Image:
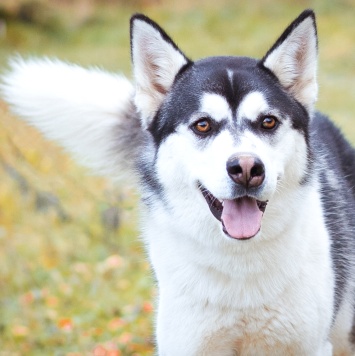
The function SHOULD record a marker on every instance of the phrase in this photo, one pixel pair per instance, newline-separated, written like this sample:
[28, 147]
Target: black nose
[246, 169]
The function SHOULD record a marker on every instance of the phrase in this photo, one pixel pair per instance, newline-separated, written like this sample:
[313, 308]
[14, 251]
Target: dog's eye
[202, 126]
[269, 122]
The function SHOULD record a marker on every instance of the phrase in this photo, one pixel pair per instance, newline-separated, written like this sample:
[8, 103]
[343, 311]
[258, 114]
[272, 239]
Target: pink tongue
[241, 217]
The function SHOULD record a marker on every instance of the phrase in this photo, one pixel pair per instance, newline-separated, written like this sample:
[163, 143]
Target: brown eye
[202, 126]
[269, 122]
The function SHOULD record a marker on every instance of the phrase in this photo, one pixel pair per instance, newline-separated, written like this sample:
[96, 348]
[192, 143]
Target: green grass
[68, 284]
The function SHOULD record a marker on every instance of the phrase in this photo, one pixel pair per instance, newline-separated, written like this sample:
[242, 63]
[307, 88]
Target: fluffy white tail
[88, 111]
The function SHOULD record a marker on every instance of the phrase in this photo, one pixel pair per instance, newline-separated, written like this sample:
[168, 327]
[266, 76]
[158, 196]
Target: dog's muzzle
[241, 217]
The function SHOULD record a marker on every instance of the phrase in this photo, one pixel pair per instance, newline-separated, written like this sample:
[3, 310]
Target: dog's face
[229, 133]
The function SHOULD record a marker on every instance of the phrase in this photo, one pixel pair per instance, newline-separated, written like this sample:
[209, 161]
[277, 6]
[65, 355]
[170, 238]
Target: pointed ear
[156, 62]
[293, 59]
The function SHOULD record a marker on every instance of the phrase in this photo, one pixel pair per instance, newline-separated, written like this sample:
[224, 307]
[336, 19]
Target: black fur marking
[210, 75]
[335, 160]
[152, 190]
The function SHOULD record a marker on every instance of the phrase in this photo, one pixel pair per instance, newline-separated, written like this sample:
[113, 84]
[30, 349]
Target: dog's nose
[246, 169]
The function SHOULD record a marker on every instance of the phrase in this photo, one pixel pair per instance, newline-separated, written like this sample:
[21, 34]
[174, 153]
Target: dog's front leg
[184, 328]
[326, 350]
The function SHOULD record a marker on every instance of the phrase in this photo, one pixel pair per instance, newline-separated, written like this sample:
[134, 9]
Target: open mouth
[241, 217]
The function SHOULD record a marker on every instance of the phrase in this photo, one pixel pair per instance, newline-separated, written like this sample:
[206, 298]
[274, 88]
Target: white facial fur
[252, 105]
[215, 106]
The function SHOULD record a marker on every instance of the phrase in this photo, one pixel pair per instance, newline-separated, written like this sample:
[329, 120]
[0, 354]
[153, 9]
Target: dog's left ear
[156, 62]
[293, 59]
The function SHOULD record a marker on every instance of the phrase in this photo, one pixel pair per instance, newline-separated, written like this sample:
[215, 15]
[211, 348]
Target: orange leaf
[65, 324]
[27, 298]
[20, 330]
[115, 324]
[147, 307]
[100, 351]
[113, 353]
[125, 338]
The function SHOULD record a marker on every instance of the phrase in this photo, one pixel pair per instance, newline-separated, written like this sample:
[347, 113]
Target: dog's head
[232, 131]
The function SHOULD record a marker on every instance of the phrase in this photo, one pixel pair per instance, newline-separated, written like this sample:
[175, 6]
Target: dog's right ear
[156, 62]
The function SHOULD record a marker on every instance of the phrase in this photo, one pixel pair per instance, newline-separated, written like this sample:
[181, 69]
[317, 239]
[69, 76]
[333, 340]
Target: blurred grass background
[73, 277]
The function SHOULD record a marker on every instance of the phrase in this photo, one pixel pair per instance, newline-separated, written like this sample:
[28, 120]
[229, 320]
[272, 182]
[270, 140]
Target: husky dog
[248, 193]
